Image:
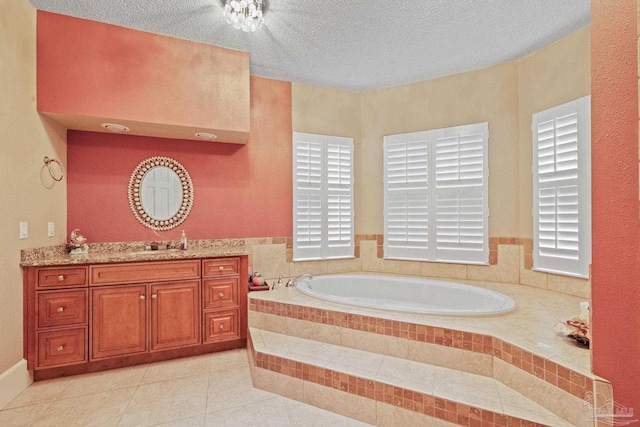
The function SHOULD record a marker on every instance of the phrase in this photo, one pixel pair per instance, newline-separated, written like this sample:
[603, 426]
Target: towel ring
[47, 162]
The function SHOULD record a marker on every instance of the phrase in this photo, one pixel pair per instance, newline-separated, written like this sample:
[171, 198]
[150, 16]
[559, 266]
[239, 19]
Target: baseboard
[13, 381]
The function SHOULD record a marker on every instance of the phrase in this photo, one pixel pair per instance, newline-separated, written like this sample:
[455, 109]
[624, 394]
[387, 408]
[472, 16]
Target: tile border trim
[422, 403]
[567, 380]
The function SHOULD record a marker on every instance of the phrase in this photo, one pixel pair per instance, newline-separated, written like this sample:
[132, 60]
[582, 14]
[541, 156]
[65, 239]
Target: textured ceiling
[355, 44]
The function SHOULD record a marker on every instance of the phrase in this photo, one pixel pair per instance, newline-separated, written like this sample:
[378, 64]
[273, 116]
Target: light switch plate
[51, 229]
[24, 230]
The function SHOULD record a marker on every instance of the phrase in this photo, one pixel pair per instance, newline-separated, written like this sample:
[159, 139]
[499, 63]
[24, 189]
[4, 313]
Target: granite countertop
[103, 253]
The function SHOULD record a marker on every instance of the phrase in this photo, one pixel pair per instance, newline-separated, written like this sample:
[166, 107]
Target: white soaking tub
[406, 294]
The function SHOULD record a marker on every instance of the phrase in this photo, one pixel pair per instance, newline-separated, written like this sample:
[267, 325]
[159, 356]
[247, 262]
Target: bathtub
[415, 295]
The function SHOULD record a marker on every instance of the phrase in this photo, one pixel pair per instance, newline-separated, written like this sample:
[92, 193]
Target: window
[322, 197]
[562, 189]
[436, 195]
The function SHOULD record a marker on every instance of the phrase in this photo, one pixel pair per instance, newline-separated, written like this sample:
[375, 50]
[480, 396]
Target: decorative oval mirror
[160, 193]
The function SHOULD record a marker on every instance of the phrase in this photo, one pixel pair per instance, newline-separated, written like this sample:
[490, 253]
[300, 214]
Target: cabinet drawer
[219, 293]
[62, 308]
[62, 277]
[219, 267]
[221, 326]
[62, 347]
[144, 272]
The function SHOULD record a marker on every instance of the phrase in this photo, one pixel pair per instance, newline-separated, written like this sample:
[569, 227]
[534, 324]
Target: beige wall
[27, 194]
[553, 75]
[505, 95]
[488, 95]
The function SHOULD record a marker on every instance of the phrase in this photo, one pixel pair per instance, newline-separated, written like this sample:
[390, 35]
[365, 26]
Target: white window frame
[323, 198]
[557, 171]
[426, 176]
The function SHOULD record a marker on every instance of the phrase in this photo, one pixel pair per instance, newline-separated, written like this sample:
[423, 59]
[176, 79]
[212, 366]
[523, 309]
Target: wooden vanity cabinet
[118, 321]
[221, 305]
[93, 317]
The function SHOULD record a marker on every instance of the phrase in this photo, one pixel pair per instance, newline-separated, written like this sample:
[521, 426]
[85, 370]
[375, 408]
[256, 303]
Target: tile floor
[209, 390]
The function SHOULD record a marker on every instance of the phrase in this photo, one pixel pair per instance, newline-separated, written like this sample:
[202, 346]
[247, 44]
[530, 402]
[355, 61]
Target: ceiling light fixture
[115, 128]
[245, 15]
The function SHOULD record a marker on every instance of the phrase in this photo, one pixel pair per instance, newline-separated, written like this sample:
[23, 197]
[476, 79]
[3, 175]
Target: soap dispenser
[183, 241]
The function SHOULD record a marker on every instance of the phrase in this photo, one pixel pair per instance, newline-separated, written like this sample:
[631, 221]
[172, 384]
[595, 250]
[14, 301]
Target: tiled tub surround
[511, 261]
[519, 350]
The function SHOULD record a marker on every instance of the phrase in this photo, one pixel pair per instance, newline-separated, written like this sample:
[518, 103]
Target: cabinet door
[221, 326]
[119, 321]
[220, 293]
[175, 314]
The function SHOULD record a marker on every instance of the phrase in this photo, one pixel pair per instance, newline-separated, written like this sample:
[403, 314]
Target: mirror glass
[160, 193]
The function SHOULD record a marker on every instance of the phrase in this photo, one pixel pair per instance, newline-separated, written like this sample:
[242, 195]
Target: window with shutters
[322, 197]
[562, 189]
[436, 195]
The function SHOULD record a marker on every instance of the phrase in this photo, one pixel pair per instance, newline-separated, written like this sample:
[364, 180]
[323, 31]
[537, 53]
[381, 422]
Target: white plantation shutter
[406, 196]
[436, 195]
[322, 196]
[461, 193]
[562, 188]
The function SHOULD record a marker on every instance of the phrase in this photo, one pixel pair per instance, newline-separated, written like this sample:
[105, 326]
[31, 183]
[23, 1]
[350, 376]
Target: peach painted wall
[616, 227]
[106, 72]
[240, 190]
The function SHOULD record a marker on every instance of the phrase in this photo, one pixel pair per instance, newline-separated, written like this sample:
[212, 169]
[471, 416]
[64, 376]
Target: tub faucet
[292, 282]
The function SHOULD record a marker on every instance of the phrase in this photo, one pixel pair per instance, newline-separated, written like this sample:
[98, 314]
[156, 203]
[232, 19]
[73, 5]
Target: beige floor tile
[187, 422]
[303, 415]
[177, 368]
[229, 378]
[232, 389]
[100, 410]
[270, 412]
[22, 416]
[40, 392]
[228, 359]
[104, 381]
[166, 401]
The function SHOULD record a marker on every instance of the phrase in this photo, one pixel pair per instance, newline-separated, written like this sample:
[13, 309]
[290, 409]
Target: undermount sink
[150, 252]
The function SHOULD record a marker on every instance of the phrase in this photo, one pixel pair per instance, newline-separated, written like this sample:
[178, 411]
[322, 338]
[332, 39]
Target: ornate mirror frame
[135, 200]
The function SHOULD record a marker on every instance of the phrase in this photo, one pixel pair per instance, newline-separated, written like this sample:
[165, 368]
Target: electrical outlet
[24, 230]
[51, 229]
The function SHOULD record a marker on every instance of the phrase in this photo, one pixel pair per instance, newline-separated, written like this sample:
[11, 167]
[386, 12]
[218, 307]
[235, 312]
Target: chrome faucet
[292, 282]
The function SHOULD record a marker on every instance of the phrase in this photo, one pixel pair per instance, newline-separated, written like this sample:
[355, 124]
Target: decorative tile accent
[568, 380]
[426, 404]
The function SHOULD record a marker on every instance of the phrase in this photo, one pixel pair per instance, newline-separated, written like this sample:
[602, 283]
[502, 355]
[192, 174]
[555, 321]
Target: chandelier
[245, 15]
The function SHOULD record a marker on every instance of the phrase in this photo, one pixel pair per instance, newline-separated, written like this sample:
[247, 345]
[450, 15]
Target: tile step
[386, 373]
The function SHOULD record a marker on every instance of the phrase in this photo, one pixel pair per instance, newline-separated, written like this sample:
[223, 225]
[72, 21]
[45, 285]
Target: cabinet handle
[221, 294]
[61, 277]
[221, 268]
[221, 327]
[60, 309]
[142, 297]
[154, 296]
[60, 348]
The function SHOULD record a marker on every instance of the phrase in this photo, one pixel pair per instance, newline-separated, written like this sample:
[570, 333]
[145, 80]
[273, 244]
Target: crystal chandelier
[246, 15]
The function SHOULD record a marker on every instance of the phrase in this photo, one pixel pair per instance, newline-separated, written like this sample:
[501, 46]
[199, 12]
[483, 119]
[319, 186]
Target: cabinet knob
[61, 277]
[60, 309]
[142, 297]
[60, 348]
[221, 294]
[154, 296]
[221, 268]
[221, 327]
